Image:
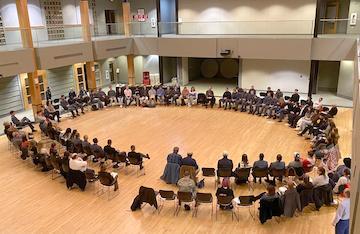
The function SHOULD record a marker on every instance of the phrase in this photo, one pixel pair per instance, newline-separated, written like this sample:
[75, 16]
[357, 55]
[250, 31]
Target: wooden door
[110, 22]
[79, 76]
[26, 89]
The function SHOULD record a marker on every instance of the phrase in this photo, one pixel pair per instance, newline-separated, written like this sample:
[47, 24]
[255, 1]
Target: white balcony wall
[262, 17]
[279, 74]
[346, 79]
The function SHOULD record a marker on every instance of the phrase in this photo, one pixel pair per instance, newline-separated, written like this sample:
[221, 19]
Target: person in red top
[308, 162]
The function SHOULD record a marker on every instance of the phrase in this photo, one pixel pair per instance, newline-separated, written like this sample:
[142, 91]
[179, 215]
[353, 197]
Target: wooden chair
[275, 173]
[209, 172]
[191, 171]
[183, 197]
[260, 173]
[203, 198]
[136, 163]
[106, 180]
[246, 202]
[225, 201]
[166, 195]
[243, 174]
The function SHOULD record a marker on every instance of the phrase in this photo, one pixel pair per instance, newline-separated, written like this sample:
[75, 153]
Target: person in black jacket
[189, 161]
[225, 163]
[226, 99]
[295, 97]
[225, 191]
[48, 94]
[137, 156]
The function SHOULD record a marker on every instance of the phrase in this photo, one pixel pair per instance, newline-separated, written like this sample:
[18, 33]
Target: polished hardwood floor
[33, 203]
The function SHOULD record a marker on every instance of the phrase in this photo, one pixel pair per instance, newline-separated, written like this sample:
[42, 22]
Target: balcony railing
[10, 37]
[339, 26]
[276, 27]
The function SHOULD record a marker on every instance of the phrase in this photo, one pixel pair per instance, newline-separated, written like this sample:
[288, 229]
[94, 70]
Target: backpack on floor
[94, 107]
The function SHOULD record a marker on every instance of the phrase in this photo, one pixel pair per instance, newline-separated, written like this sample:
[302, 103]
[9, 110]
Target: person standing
[341, 220]
[48, 94]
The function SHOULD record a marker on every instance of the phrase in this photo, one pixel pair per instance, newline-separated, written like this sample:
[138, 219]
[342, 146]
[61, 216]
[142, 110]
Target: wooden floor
[33, 203]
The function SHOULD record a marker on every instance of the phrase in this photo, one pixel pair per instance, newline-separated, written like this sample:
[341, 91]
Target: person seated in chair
[343, 181]
[252, 90]
[128, 96]
[174, 157]
[76, 163]
[49, 111]
[192, 96]
[137, 156]
[113, 176]
[225, 163]
[66, 106]
[210, 97]
[295, 97]
[186, 184]
[86, 143]
[305, 184]
[260, 164]
[112, 153]
[333, 111]
[96, 149]
[277, 165]
[184, 96]
[160, 95]
[271, 193]
[321, 179]
[226, 99]
[296, 163]
[112, 95]
[76, 104]
[152, 94]
[21, 123]
[189, 161]
[225, 191]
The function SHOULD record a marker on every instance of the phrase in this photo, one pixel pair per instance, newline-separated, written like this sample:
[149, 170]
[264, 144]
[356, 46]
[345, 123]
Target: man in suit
[97, 151]
[226, 99]
[137, 156]
[21, 123]
[260, 164]
[66, 106]
[225, 163]
[189, 161]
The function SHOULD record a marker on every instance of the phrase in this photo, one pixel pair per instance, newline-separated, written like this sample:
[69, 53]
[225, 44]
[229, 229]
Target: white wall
[144, 28]
[346, 79]
[328, 75]
[295, 16]
[283, 74]
[354, 8]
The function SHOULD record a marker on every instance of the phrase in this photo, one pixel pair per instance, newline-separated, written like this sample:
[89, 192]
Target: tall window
[2, 32]
[54, 19]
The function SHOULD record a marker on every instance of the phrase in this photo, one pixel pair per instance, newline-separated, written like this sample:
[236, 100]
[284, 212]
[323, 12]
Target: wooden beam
[90, 76]
[85, 22]
[126, 18]
[131, 69]
[27, 42]
[86, 33]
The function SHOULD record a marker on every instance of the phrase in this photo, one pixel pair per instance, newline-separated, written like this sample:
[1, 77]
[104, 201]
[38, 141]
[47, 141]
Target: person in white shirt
[77, 164]
[318, 105]
[343, 180]
[342, 216]
[128, 96]
[321, 179]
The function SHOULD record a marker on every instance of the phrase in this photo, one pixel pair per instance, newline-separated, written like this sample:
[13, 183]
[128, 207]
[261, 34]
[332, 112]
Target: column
[86, 32]
[27, 42]
[130, 58]
[355, 161]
